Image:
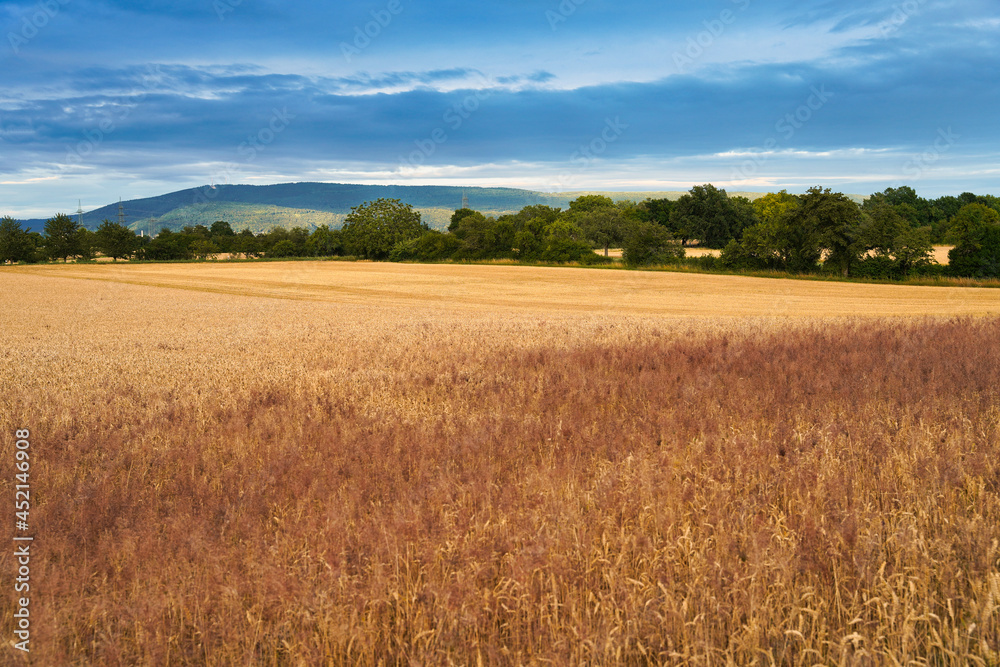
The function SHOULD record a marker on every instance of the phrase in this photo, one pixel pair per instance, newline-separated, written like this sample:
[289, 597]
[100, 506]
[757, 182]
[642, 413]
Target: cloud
[170, 92]
[897, 101]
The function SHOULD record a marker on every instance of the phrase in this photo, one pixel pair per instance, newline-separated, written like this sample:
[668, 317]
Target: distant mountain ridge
[260, 207]
[288, 203]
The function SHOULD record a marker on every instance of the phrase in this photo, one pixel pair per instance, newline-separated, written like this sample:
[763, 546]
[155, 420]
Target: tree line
[890, 235]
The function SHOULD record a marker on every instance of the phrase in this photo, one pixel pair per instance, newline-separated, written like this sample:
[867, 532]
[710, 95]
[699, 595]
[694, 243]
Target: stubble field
[327, 463]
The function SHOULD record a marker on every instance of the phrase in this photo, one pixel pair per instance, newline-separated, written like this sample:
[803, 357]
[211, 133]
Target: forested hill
[260, 207]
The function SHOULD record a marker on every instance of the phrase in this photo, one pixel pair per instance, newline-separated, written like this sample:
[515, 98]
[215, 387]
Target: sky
[106, 99]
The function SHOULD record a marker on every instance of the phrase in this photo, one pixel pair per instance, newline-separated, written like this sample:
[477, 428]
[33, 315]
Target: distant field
[688, 252]
[551, 291]
[375, 464]
[941, 253]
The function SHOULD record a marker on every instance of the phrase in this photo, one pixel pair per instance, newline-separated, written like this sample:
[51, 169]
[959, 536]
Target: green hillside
[261, 207]
[255, 217]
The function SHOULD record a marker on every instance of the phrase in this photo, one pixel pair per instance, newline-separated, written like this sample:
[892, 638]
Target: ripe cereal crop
[374, 464]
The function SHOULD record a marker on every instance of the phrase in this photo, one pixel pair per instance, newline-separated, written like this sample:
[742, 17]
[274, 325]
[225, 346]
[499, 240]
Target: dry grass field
[306, 463]
[544, 291]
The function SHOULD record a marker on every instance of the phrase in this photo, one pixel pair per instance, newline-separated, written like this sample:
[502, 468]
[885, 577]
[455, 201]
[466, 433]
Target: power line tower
[121, 213]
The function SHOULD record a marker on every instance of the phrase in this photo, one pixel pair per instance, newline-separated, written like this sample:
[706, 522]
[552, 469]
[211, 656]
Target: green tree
[300, 237]
[283, 248]
[980, 259]
[894, 197]
[247, 244]
[196, 232]
[565, 242]
[970, 221]
[880, 227]
[603, 225]
[167, 246]
[833, 219]
[221, 228]
[324, 242]
[707, 214]
[657, 211]
[528, 241]
[222, 235]
[534, 212]
[458, 216]
[15, 243]
[976, 231]
[774, 205]
[86, 244]
[430, 246]
[649, 243]
[272, 237]
[115, 240]
[372, 229]
[913, 249]
[203, 249]
[526, 229]
[62, 239]
[588, 203]
[478, 237]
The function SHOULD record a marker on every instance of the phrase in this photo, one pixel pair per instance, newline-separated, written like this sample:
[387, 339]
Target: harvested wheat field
[547, 291]
[375, 464]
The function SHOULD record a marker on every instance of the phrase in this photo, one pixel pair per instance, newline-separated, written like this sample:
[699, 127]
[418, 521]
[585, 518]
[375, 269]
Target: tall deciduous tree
[372, 229]
[879, 229]
[587, 203]
[976, 231]
[886, 236]
[61, 237]
[458, 216]
[221, 228]
[657, 211]
[707, 214]
[603, 225]
[834, 219]
[15, 242]
[115, 240]
[773, 205]
[565, 242]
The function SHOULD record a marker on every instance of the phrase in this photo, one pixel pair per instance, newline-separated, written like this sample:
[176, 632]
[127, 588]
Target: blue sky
[104, 99]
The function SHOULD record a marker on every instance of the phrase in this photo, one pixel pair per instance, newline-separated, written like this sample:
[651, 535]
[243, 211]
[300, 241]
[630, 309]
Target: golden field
[546, 291]
[350, 463]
